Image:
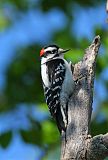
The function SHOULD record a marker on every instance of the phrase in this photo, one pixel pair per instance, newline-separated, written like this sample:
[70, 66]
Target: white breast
[44, 75]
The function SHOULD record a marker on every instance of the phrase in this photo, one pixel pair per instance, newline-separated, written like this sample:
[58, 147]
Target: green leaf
[5, 139]
[4, 21]
[33, 136]
[50, 132]
[99, 128]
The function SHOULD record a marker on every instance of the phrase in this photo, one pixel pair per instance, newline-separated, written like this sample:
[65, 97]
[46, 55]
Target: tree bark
[77, 144]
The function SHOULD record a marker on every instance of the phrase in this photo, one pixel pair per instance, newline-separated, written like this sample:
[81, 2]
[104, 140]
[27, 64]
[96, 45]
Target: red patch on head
[42, 52]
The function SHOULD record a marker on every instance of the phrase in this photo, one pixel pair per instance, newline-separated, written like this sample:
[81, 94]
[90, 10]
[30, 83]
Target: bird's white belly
[44, 75]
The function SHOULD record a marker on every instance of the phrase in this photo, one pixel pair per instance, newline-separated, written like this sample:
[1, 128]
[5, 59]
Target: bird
[58, 83]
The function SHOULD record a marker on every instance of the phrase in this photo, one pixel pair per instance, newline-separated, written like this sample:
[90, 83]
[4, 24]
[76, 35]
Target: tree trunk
[77, 144]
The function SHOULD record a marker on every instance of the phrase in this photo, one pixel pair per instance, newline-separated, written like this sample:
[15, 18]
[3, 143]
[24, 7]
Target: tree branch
[98, 147]
[77, 144]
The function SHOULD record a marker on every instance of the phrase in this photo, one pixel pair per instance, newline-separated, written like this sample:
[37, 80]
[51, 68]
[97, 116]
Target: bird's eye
[48, 52]
[54, 51]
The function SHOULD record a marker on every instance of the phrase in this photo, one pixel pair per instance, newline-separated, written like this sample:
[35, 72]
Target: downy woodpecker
[58, 83]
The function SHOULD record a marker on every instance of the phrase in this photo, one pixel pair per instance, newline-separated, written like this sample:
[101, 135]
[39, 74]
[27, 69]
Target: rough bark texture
[77, 144]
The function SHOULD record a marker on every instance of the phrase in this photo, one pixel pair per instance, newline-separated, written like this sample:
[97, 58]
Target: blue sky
[29, 28]
[86, 19]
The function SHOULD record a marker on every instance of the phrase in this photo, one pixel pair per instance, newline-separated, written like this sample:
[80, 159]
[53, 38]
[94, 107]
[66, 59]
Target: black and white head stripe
[52, 46]
[51, 49]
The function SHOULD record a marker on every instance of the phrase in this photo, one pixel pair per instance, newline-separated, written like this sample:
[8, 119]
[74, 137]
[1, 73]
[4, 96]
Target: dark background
[27, 131]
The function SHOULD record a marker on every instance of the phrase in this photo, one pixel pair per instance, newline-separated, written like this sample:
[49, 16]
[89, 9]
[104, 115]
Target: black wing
[56, 72]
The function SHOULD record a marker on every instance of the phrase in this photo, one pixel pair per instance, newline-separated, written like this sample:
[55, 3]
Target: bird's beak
[61, 51]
